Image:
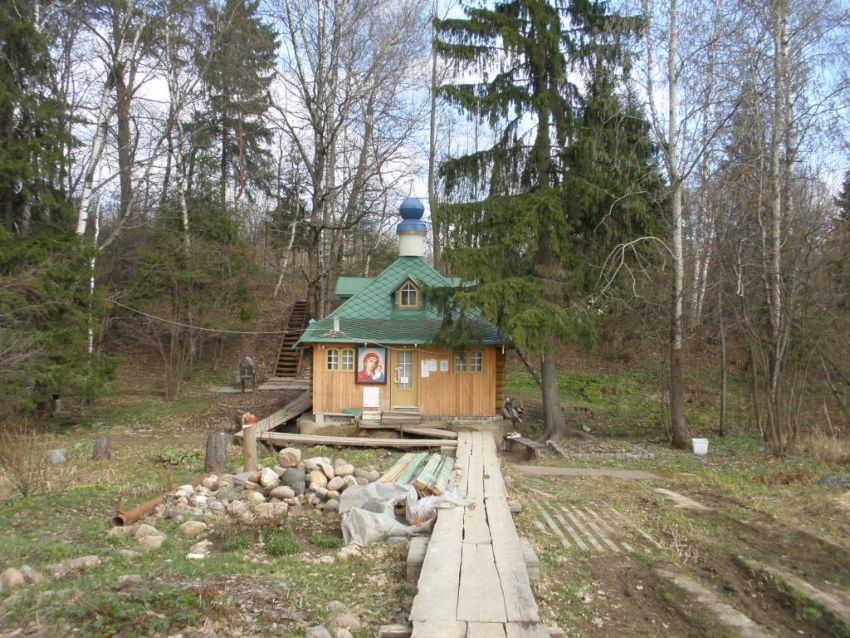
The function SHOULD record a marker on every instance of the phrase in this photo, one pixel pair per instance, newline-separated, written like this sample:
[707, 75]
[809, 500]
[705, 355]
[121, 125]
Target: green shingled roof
[348, 286]
[371, 316]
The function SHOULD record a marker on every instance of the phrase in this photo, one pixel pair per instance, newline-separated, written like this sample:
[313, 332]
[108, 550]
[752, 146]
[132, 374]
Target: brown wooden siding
[441, 394]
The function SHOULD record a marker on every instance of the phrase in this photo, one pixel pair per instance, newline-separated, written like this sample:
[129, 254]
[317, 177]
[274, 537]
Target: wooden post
[215, 459]
[249, 448]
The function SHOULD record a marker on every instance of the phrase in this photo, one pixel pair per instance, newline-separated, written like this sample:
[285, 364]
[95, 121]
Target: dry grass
[22, 460]
[826, 448]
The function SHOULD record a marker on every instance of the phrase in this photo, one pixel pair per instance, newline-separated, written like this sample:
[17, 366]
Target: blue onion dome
[411, 208]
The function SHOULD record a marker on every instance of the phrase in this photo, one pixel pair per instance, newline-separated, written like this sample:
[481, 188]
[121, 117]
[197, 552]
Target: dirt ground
[623, 586]
[758, 514]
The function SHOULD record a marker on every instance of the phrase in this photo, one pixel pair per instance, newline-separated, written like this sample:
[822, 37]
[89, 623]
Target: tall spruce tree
[238, 68]
[511, 233]
[31, 134]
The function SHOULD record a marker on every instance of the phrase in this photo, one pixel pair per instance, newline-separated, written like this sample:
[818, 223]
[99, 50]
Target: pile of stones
[268, 493]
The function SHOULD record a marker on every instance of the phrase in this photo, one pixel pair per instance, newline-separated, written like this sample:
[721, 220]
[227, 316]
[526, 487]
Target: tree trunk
[679, 433]
[215, 459]
[552, 412]
[721, 423]
[102, 449]
[432, 153]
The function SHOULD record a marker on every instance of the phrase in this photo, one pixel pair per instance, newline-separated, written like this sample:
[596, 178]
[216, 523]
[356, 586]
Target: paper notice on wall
[444, 365]
[371, 397]
[432, 365]
[424, 369]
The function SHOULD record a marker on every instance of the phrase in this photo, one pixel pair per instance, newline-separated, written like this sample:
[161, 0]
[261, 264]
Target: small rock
[317, 479]
[294, 475]
[344, 469]
[332, 505]
[193, 556]
[348, 552]
[271, 511]
[215, 506]
[345, 620]
[514, 506]
[373, 475]
[343, 633]
[171, 513]
[509, 482]
[237, 508]
[336, 484]
[360, 473]
[31, 575]
[350, 481]
[129, 579]
[55, 457]
[201, 547]
[198, 500]
[327, 470]
[11, 578]
[121, 531]
[185, 490]
[398, 540]
[322, 493]
[190, 529]
[333, 495]
[282, 492]
[129, 554]
[255, 498]
[146, 530]
[362, 481]
[181, 502]
[279, 470]
[326, 560]
[289, 457]
[318, 632]
[150, 543]
[210, 482]
[334, 606]
[58, 570]
[269, 478]
[299, 487]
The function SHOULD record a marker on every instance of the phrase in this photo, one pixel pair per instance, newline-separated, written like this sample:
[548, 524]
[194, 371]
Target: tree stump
[216, 456]
[102, 449]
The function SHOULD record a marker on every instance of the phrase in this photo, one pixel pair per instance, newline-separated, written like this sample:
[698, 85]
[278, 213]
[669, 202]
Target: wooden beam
[282, 438]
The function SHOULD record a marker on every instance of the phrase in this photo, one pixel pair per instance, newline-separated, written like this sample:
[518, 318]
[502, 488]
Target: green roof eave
[349, 286]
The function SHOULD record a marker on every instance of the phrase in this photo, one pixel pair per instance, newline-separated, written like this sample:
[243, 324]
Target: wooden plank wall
[441, 394]
[334, 390]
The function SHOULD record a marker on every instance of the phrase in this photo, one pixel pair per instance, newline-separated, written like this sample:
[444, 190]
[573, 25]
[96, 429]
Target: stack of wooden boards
[428, 473]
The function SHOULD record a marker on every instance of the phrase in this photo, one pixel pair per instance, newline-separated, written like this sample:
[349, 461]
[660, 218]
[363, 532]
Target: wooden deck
[473, 581]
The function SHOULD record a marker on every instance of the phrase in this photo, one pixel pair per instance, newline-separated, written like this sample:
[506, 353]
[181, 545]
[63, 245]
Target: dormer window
[407, 296]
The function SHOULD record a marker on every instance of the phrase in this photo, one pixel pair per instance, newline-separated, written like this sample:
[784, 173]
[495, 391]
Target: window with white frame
[333, 359]
[348, 359]
[476, 361]
[460, 362]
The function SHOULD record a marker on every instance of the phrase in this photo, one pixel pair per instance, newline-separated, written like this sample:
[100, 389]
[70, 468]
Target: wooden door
[403, 379]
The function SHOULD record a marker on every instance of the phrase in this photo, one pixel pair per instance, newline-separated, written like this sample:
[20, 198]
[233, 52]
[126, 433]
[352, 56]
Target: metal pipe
[140, 511]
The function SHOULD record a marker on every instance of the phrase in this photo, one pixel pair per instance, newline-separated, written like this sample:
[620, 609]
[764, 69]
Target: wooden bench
[531, 446]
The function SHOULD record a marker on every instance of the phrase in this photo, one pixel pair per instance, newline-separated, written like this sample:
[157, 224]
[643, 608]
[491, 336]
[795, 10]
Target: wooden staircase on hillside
[289, 359]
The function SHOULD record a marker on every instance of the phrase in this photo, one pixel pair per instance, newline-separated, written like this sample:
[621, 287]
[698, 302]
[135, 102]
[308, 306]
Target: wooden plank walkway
[294, 408]
[473, 581]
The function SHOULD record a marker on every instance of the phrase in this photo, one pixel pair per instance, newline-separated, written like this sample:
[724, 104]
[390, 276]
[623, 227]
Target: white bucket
[700, 446]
